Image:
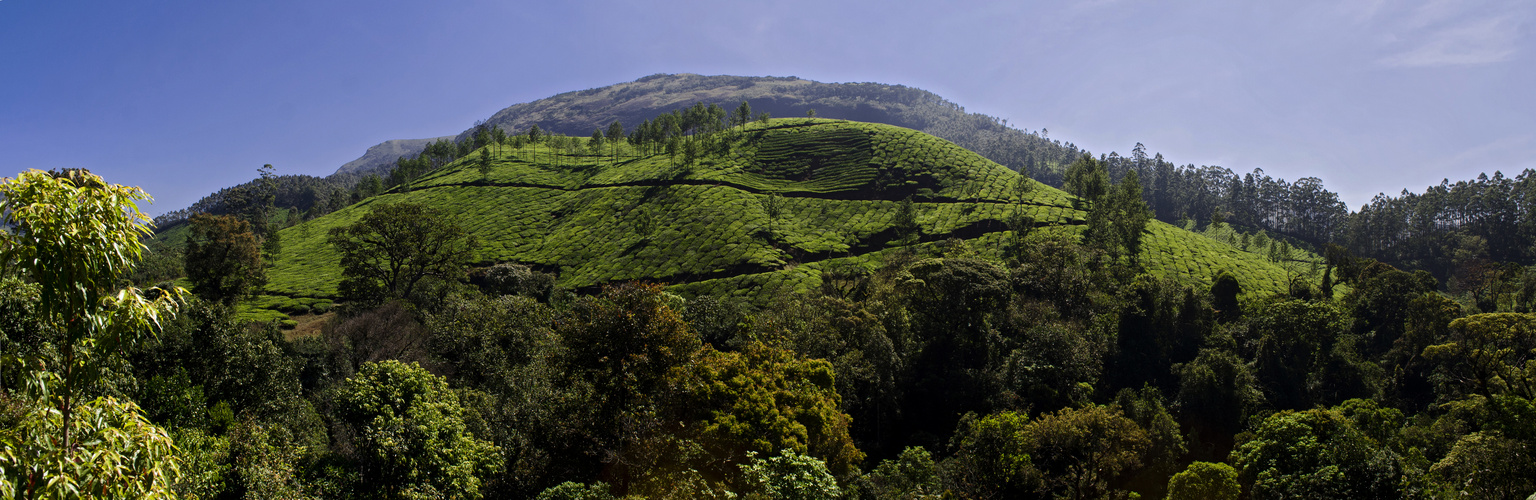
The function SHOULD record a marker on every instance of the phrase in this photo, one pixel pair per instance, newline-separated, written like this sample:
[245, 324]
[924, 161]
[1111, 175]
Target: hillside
[381, 157]
[596, 218]
[577, 113]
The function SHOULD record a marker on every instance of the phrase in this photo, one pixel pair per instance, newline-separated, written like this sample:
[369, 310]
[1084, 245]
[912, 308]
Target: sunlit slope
[705, 227]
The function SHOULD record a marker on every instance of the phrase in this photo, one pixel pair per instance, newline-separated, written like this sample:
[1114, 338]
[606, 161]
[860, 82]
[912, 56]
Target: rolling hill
[577, 113]
[596, 217]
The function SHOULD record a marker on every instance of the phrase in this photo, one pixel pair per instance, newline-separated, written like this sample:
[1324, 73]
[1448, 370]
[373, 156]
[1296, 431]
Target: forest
[1056, 364]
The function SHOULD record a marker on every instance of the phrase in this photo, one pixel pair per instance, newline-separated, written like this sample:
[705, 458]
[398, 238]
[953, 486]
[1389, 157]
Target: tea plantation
[705, 226]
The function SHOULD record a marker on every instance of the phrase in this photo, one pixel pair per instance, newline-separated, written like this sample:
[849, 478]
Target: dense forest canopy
[1044, 358]
[1061, 369]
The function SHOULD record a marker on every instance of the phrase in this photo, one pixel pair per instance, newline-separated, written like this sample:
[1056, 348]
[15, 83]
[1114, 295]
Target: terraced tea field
[705, 228]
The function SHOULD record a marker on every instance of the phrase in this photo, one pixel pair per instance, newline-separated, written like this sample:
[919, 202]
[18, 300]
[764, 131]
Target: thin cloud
[1442, 33]
[1484, 41]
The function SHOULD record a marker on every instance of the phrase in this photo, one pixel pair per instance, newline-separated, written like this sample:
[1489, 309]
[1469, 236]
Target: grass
[705, 227]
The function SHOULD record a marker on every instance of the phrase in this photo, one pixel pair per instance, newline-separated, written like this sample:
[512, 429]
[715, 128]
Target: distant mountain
[381, 157]
[578, 113]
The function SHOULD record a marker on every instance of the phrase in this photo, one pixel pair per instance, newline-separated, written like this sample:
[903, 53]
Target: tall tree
[390, 250]
[743, 113]
[223, 259]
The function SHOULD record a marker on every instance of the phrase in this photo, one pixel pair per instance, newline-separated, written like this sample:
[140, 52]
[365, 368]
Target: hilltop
[598, 217]
[577, 113]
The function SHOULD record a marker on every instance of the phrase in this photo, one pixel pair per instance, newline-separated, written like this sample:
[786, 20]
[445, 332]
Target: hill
[577, 113]
[381, 157]
[596, 217]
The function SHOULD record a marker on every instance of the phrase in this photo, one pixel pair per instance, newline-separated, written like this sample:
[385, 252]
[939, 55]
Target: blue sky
[185, 97]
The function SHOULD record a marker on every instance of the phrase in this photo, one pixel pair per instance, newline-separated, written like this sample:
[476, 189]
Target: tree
[743, 113]
[1087, 179]
[992, 458]
[764, 399]
[911, 476]
[625, 342]
[1072, 453]
[1488, 465]
[615, 132]
[412, 439]
[223, 259]
[75, 236]
[773, 207]
[261, 209]
[484, 163]
[391, 249]
[1487, 354]
[1224, 294]
[905, 222]
[1081, 450]
[1316, 453]
[1217, 392]
[1117, 217]
[1205, 481]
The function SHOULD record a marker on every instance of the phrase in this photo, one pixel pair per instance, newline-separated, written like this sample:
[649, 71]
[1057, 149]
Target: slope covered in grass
[704, 227]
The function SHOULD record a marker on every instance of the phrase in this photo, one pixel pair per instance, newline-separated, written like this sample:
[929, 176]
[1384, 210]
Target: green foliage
[576, 491]
[116, 453]
[1204, 481]
[1118, 217]
[1316, 454]
[223, 258]
[266, 463]
[1303, 358]
[1217, 393]
[411, 434]
[1087, 179]
[1073, 453]
[513, 279]
[74, 235]
[626, 342]
[1493, 353]
[1488, 465]
[913, 475]
[764, 399]
[1080, 451]
[206, 465]
[1224, 297]
[790, 476]
[993, 455]
[392, 248]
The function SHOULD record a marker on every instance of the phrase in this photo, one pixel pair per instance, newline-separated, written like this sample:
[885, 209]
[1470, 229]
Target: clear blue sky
[185, 97]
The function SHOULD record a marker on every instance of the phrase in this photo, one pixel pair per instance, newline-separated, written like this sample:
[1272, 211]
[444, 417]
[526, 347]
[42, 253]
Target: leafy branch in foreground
[76, 236]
